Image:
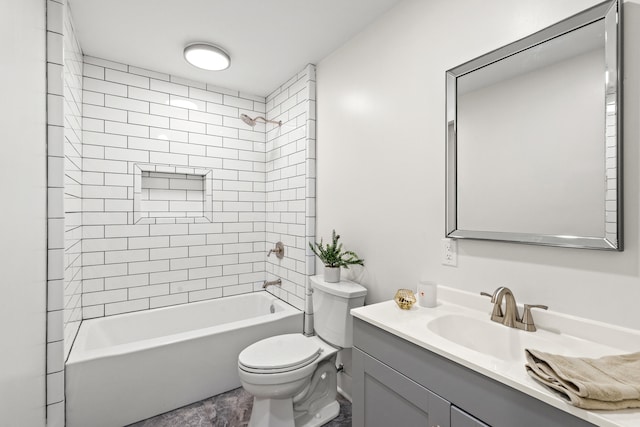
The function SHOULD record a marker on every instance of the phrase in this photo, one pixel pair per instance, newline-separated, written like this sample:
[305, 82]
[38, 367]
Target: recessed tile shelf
[172, 194]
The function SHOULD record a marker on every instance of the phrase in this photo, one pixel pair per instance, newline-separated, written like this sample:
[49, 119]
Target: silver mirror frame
[610, 12]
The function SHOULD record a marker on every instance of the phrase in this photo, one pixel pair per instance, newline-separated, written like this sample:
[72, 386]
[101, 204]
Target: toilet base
[271, 413]
[320, 417]
[279, 413]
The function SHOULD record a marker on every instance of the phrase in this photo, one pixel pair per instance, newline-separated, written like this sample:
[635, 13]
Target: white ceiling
[268, 40]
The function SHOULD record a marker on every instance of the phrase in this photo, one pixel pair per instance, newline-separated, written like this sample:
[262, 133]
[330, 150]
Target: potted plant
[333, 257]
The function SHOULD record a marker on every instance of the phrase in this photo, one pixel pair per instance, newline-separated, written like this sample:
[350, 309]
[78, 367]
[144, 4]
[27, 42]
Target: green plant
[332, 254]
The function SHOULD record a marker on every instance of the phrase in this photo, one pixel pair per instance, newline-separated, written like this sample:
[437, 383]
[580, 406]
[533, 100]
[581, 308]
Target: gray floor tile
[230, 409]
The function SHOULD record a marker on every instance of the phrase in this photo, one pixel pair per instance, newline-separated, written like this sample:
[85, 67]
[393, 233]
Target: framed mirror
[534, 137]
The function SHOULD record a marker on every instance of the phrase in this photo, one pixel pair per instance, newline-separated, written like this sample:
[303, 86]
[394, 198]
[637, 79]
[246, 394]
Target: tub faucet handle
[278, 250]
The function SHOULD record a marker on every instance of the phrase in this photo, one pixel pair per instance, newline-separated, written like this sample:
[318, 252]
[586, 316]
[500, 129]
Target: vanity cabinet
[397, 383]
[388, 398]
[459, 418]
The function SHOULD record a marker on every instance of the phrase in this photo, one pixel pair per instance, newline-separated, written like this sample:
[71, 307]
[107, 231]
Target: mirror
[533, 148]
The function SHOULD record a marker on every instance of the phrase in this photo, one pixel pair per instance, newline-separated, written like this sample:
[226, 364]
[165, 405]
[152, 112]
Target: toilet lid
[280, 353]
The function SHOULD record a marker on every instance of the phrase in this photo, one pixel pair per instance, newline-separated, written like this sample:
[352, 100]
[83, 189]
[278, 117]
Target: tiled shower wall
[64, 153]
[72, 183]
[134, 117]
[290, 185]
[104, 120]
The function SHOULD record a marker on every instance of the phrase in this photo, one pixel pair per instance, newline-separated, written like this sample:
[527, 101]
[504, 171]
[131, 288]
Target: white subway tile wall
[104, 118]
[135, 116]
[290, 184]
[64, 199]
[73, 151]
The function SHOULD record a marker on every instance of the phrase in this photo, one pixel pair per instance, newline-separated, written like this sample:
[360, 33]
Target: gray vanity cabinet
[459, 418]
[388, 398]
[397, 383]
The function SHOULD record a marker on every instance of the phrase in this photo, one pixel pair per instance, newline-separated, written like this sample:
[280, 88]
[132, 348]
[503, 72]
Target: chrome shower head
[252, 122]
[248, 120]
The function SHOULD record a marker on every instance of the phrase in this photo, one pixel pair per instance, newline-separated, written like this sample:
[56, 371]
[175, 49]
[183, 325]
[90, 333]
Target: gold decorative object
[405, 299]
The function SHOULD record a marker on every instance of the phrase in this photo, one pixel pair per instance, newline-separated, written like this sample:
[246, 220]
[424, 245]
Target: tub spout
[271, 283]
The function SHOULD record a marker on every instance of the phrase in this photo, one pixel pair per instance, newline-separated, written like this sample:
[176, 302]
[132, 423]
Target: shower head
[252, 122]
[248, 120]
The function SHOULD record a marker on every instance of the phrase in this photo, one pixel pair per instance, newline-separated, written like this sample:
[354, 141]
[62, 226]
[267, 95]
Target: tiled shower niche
[172, 194]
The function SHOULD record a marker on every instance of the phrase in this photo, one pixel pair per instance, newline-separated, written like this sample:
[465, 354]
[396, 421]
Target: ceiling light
[207, 56]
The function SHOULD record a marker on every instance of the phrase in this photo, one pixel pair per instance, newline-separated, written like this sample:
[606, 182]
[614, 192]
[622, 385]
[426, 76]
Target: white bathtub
[132, 366]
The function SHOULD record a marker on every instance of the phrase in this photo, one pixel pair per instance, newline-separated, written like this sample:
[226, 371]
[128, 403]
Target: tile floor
[230, 409]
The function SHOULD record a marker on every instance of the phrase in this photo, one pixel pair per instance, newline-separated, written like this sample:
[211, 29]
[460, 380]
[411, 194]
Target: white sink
[482, 336]
[508, 344]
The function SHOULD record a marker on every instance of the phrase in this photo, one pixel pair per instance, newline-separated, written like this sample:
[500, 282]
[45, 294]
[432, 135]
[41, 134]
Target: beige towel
[610, 382]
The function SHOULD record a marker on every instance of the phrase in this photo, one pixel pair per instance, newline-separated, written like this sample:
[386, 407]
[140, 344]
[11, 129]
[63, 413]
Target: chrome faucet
[510, 317]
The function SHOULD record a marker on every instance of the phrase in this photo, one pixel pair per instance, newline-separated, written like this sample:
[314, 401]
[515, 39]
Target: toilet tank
[332, 303]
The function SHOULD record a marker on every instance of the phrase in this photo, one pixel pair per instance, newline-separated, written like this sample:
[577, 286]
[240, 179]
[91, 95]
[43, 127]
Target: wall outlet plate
[449, 252]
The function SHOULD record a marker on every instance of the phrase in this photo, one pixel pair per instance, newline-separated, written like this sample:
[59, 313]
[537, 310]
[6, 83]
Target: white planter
[331, 274]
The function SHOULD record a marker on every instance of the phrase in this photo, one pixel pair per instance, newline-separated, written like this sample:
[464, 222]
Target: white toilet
[293, 377]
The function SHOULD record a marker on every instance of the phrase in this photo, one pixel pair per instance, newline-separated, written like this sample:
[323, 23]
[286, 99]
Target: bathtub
[130, 367]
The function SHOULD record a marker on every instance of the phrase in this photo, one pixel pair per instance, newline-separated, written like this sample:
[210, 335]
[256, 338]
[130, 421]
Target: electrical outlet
[449, 252]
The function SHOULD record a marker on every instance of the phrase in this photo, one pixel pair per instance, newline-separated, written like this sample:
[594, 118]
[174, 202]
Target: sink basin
[480, 335]
[508, 344]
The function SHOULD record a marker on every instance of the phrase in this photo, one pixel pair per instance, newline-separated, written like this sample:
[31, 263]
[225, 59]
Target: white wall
[381, 150]
[23, 194]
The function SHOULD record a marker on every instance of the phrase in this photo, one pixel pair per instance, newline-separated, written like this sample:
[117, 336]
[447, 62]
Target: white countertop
[588, 339]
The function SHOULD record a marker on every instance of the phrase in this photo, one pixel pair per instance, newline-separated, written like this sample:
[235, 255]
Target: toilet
[293, 377]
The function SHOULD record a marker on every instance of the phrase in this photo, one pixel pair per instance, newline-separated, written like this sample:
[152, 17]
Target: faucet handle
[278, 250]
[527, 318]
[497, 308]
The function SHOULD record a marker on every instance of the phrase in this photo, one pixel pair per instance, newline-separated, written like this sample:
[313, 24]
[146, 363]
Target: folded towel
[610, 382]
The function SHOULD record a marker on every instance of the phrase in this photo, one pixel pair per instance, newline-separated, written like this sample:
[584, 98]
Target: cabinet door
[383, 397]
[459, 418]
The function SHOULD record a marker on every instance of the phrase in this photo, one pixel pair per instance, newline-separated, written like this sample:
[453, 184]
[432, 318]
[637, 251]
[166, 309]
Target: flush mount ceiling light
[207, 56]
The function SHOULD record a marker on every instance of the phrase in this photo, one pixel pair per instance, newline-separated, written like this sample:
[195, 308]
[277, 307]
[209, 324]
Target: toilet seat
[282, 353]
